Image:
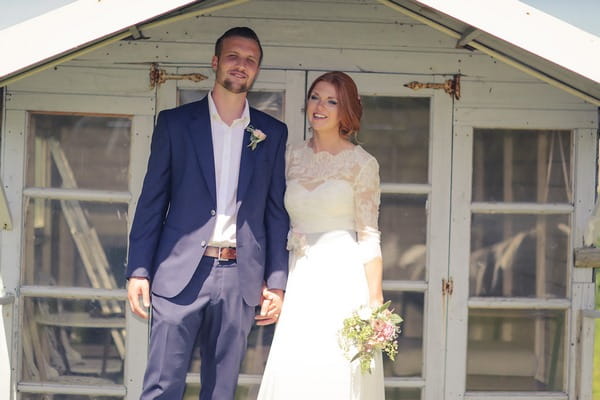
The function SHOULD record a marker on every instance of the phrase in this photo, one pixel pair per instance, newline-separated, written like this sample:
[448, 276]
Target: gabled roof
[82, 26]
[510, 31]
[519, 35]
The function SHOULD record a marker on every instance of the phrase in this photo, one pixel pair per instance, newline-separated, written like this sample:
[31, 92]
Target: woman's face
[322, 108]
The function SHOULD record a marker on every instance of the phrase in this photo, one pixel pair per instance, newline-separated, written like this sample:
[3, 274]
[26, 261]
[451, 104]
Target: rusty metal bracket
[159, 76]
[451, 86]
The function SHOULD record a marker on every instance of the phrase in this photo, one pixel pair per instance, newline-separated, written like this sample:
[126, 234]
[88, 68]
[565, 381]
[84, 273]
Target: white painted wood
[108, 80]
[405, 188]
[72, 292]
[303, 10]
[580, 369]
[415, 61]
[517, 118]
[585, 170]
[518, 303]
[86, 390]
[515, 396]
[459, 238]
[324, 32]
[583, 289]
[105, 196]
[488, 92]
[138, 329]
[295, 82]
[5, 359]
[520, 208]
[80, 103]
[438, 246]
[11, 164]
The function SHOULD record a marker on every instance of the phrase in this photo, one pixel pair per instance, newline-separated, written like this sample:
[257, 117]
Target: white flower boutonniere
[256, 136]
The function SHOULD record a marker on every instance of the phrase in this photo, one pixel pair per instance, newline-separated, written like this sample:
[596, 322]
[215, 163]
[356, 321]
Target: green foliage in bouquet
[367, 331]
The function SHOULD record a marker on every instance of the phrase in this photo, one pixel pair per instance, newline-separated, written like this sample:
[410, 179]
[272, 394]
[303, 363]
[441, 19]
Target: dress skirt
[326, 283]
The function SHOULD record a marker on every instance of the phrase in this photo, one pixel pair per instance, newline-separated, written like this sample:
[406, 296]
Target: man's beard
[233, 88]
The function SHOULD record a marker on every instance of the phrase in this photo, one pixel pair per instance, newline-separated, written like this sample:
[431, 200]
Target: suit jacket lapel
[200, 132]
[247, 161]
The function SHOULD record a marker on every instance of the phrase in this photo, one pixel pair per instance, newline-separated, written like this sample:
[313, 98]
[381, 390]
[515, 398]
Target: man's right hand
[135, 288]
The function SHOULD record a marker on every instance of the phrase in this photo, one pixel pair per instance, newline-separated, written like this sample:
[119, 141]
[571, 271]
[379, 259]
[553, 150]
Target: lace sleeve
[366, 205]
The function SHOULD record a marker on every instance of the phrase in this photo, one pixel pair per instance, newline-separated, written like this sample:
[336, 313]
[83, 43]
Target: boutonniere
[256, 136]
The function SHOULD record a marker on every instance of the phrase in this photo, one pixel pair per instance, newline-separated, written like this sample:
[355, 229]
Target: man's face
[237, 65]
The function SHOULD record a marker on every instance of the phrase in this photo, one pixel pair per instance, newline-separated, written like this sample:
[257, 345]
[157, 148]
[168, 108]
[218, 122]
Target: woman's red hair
[350, 107]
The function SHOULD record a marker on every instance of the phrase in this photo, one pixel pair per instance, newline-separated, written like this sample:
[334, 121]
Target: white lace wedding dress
[333, 202]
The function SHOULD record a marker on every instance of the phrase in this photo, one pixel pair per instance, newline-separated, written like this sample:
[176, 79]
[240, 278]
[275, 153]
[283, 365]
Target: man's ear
[214, 62]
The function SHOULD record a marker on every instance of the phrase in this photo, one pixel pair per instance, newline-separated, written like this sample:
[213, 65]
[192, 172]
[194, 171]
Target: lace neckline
[325, 153]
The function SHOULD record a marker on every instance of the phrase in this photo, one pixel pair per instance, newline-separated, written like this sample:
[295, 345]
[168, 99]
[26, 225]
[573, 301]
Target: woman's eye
[314, 97]
[332, 102]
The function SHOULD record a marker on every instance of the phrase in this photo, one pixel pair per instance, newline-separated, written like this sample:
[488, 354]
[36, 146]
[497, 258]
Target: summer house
[483, 117]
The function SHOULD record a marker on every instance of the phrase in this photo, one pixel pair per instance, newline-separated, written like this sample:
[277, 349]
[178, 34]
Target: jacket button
[203, 243]
[213, 212]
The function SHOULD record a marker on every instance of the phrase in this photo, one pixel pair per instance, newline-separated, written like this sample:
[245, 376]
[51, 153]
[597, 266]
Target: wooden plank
[326, 32]
[587, 257]
[537, 95]
[80, 103]
[518, 118]
[357, 11]
[68, 78]
[438, 245]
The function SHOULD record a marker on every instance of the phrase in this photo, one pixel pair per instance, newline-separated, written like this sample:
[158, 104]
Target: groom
[208, 236]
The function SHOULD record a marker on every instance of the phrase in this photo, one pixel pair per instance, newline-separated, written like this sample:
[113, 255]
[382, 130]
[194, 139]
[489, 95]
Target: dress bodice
[328, 192]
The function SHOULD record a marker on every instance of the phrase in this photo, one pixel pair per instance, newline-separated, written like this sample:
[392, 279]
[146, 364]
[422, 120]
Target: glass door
[511, 244]
[409, 133]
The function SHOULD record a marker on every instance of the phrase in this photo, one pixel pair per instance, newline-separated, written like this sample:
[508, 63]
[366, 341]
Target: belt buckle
[219, 255]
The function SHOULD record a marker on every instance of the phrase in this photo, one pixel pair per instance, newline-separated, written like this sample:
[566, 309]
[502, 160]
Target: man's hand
[271, 302]
[135, 288]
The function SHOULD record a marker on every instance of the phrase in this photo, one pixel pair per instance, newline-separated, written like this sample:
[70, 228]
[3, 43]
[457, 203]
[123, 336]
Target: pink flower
[256, 136]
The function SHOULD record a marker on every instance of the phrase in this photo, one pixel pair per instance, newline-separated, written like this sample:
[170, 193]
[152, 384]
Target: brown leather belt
[222, 253]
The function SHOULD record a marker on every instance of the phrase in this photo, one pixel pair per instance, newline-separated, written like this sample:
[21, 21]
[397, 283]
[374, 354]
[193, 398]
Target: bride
[335, 266]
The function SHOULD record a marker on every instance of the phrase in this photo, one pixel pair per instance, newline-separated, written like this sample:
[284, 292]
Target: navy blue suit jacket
[174, 215]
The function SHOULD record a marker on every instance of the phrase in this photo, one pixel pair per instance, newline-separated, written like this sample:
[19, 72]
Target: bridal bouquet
[369, 330]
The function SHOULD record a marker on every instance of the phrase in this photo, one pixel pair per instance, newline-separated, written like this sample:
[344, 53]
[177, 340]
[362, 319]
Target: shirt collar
[214, 114]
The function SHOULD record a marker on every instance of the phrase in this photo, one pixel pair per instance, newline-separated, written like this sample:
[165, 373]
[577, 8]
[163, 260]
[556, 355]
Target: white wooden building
[482, 115]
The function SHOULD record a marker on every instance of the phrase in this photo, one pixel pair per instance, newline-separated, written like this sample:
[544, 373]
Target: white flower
[364, 313]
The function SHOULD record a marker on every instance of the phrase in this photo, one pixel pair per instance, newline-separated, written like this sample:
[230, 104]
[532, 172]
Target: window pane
[410, 306]
[402, 394]
[396, 131]
[522, 166]
[73, 341]
[266, 101]
[79, 151]
[75, 243]
[519, 255]
[516, 350]
[403, 225]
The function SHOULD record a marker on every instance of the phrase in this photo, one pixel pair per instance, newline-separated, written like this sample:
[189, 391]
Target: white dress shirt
[227, 150]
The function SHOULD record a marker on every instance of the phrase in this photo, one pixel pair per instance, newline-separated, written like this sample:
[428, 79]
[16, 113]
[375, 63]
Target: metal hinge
[160, 76]
[447, 287]
[451, 86]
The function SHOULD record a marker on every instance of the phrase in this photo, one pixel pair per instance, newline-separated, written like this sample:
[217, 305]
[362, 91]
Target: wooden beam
[588, 257]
